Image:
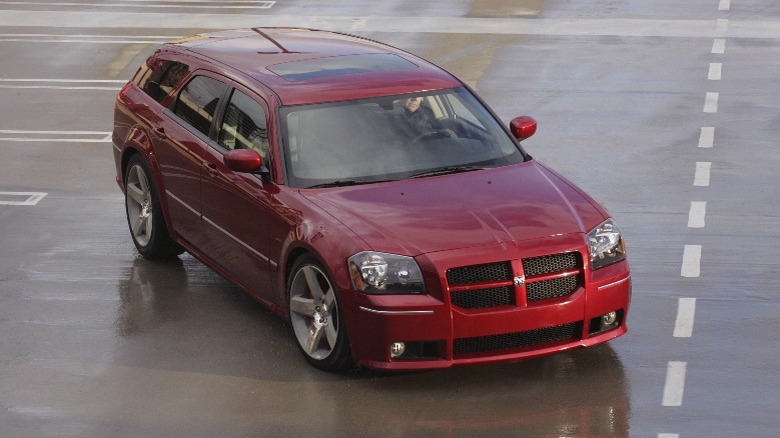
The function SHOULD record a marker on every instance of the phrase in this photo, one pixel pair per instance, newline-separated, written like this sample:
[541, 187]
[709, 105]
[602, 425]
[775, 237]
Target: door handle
[160, 132]
[211, 168]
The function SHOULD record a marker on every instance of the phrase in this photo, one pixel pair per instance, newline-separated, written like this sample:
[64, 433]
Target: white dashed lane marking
[686, 312]
[675, 384]
[711, 102]
[715, 71]
[718, 46]
[702, 176]
[691, 264]
[696, 214]
[707, 137]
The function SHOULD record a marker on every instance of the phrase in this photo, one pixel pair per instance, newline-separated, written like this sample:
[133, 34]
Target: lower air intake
[510, 341]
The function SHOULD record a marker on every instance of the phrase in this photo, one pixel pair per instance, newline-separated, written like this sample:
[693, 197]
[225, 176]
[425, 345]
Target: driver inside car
[421, 119]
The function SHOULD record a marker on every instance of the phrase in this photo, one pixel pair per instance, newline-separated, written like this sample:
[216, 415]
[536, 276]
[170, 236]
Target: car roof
[309, 66]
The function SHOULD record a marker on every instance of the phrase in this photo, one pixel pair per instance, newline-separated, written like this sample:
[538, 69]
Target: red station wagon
[367, 195]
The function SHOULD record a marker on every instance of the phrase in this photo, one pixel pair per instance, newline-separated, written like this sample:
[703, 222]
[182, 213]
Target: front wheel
[315, 316]
[144, 214]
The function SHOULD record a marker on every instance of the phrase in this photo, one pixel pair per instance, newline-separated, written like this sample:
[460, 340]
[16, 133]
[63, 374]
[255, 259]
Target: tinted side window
[198, 101]
[243, 126]
[159, 78]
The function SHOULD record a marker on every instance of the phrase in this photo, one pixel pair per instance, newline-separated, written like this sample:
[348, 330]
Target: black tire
[316, 317]
[144, 215]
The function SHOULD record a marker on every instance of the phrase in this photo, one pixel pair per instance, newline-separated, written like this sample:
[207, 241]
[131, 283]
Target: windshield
[392, 137]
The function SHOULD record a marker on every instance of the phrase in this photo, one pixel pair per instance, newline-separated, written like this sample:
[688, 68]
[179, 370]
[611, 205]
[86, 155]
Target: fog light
[605, 322]
[609, 319]
[397, 349]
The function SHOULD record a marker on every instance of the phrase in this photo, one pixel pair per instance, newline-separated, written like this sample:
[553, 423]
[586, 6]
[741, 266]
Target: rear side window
[198, 102]
[159, 77]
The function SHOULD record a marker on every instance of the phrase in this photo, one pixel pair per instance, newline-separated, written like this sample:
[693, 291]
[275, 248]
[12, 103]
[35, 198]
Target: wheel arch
[347, 360]
[293, 257]
[138, 144]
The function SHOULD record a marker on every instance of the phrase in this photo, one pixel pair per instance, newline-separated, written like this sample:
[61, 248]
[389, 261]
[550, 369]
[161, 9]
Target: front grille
[483, 298]
[551, 263]
[553, 288]
[491, 285]
[479, 273]
[509, 341]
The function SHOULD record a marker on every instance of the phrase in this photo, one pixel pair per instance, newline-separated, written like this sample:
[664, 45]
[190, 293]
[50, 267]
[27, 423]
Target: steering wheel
[434, 135]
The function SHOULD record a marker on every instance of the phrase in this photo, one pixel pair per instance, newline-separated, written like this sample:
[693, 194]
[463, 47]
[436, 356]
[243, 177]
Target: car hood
[506, 204]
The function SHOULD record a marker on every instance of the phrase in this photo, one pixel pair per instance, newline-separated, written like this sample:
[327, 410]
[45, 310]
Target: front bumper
[500, 320]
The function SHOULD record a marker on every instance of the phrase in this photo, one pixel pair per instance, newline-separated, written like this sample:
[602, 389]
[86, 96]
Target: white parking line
[198, 1]
[57, 87]
[82, 36]
[56, 140]
[668, 435]
[686, 312]
[86, 39]
[29, 40]
[67, 81]
[31, 198]
[715, 71]
[702, 176]
[16, 131]
[61, 84]
[54, 136]
[711, 102]
[675, 384]
[722, 25]
[707, 137]
[696, 214]
[246, 5]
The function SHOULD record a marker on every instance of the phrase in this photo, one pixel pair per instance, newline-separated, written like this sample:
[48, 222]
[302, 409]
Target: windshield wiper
[447, 170]
[346, 182]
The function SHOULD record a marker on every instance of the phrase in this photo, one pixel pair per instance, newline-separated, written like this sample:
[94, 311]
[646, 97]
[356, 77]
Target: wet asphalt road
[665, 111]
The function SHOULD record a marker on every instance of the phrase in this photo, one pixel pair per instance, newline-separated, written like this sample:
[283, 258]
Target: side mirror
[522, 127]
[243, 160]
[247, 161]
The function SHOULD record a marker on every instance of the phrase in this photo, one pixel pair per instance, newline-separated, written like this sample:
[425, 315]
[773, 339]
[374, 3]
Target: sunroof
[296, 71]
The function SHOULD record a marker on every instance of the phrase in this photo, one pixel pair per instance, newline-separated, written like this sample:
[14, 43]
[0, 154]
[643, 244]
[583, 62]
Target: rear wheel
[144, 215]
[316, 317]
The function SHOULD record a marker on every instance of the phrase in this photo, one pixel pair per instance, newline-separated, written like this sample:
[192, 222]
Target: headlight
[381, 273]
[605, 245]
